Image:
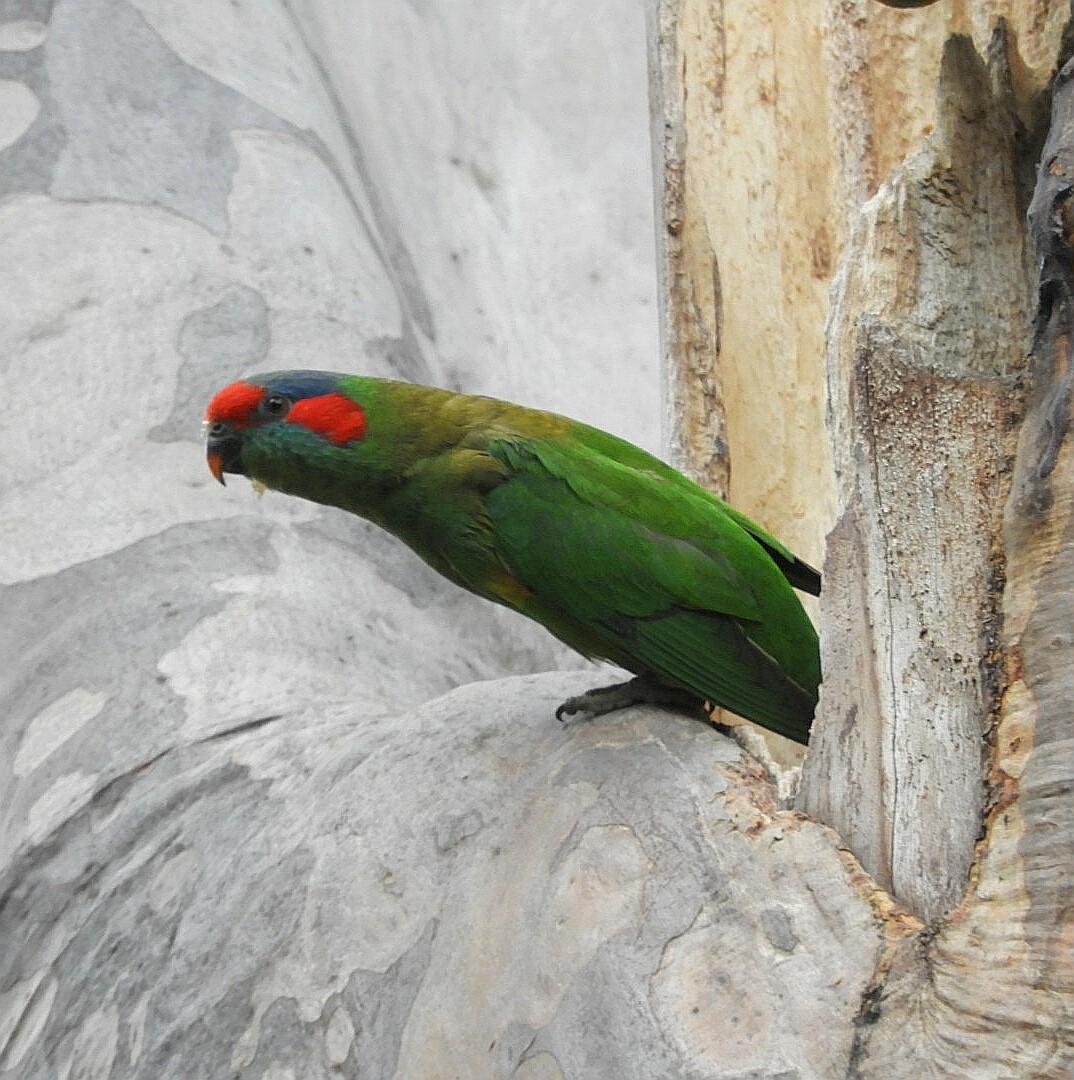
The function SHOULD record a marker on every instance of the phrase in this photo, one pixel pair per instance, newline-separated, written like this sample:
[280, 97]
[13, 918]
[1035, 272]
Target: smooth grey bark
[467, 889]
[190, 192]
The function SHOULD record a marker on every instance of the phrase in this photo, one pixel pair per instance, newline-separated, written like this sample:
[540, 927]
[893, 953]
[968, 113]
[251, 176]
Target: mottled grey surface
[88, 684]
[469, 889]
[139, 124]
[122, 116]
[218, 344]
[30, 165]
[232, 842]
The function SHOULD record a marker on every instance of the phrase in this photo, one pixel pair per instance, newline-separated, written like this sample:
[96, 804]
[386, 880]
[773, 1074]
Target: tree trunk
[941, 578]
[924, 391]
[236, 837]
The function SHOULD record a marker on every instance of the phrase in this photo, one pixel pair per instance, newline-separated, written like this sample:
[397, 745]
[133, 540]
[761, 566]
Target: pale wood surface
[940, 760]
[992, 994]
[923, 383]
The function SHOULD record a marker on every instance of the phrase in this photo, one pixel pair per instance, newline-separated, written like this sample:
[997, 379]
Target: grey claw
[569, 708]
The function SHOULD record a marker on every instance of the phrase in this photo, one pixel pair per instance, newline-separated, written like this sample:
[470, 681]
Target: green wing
[624, 558]
[800, 574]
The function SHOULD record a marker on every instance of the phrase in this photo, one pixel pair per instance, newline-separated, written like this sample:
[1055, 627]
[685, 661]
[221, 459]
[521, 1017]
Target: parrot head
[246, 416]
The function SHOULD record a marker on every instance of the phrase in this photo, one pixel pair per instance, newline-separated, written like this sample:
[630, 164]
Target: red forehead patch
[333, 415]
[234, 403]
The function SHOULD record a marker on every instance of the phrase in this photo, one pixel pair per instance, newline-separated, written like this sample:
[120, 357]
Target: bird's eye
[216, 429]
[275, 405]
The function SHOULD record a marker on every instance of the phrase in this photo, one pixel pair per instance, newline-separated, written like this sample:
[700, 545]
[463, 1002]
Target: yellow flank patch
[509, 590]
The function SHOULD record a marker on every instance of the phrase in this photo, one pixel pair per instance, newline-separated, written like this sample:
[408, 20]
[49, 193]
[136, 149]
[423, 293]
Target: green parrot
[610, 549]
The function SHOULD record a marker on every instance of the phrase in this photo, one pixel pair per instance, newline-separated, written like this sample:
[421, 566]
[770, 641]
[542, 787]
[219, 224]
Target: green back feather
[611, 549]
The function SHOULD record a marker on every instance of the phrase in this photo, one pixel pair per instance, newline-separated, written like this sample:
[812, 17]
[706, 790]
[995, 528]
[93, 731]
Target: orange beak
[216, 465]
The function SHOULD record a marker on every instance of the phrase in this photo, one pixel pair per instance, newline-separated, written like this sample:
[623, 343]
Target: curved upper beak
[216, 466]
[224, 455]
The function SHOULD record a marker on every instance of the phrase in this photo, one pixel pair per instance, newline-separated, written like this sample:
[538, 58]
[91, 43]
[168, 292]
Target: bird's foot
[638, 691]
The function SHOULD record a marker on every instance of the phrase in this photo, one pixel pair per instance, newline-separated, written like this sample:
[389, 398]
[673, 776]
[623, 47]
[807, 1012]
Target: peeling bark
[941, 755]
[991, 989]
[924, 356]
[988, 990]
[695, 423]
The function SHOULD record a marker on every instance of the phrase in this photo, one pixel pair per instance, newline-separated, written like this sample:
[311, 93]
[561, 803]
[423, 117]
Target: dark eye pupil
[216, 428]
[275, 404]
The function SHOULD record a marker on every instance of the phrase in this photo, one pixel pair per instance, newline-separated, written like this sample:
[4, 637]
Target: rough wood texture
[747, 254]
[785, 124]
[922, 384]
[695, 420]
[992, 994]
[773, 124]
[777, 122]
[945, 616]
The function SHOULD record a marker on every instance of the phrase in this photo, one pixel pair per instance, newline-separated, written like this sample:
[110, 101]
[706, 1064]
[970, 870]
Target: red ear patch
[333, 415]
[234, 403]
